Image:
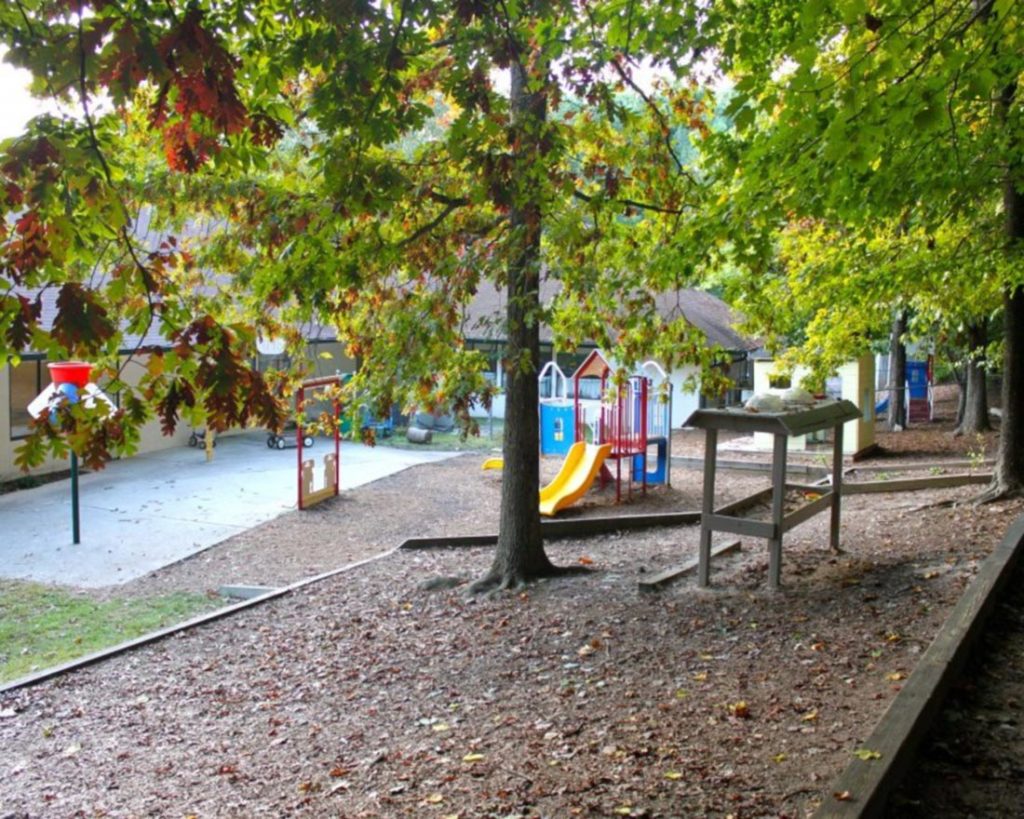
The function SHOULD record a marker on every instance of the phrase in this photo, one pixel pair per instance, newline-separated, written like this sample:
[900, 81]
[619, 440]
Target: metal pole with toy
[70, 385]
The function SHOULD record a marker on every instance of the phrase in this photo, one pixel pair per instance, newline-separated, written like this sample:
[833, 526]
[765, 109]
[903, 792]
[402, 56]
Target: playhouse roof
[706, 312]
[594, 365]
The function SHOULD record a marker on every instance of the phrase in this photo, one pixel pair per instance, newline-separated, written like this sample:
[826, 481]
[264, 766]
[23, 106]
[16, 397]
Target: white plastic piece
[765, 402]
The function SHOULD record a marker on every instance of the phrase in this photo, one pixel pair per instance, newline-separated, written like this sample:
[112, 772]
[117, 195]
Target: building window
[26, 383]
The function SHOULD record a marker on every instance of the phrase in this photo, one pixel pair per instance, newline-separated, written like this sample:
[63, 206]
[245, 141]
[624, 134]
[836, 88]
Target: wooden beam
[659, 580]
[742, 526]
[865, 784]
[808, 510]
[913, 484]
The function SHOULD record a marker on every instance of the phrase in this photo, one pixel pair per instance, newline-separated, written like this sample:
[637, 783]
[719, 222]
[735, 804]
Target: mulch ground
[364, 696]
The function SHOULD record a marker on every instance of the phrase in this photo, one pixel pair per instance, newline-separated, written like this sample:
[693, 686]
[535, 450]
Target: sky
[17, 106]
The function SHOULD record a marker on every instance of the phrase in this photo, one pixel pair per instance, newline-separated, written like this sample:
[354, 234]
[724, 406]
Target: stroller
[286, 441]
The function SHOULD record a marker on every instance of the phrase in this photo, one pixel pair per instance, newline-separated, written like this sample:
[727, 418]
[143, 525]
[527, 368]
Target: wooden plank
[914, 484]
[918, 466]
[314, 498]
[741, 526]
[659, 580]
[816, 488]
[809, 470]
[896, 737]
[743, 504]
[837, 488]
[778, 505]
[808, 510]
[707, 508]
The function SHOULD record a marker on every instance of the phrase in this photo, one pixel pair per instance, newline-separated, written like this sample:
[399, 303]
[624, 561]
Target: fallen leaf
[673, 775]
[473, 758]
[810, 716]
[441, 726]
[434, 799]
[866, 754]
[740, 709]
[896, 676]
[586, 561]
[843, 796]
[781, 757]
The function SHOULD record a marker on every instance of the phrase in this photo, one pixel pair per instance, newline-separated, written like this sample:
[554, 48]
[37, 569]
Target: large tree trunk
[897, 419]
[1008, 477]
[1009, 472]
[974, 391]
[520, 552]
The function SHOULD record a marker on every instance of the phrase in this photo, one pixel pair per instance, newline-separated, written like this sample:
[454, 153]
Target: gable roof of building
[705, 311]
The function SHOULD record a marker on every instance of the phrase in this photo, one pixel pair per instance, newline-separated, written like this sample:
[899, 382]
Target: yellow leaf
[673, 775]
[779, 758]
[623, 810]
[700, 676]
[896, 676]
[326, 354]
[866, 754]
[740, 709]
[434, 799]
[810, 716]
[473, 758]
[682, 694]
[441, 726]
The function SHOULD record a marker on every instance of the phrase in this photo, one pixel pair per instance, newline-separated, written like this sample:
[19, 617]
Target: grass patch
[488, 439]
[42, 626]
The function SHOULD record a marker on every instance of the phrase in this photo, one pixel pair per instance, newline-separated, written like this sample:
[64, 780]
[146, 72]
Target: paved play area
[145, 512]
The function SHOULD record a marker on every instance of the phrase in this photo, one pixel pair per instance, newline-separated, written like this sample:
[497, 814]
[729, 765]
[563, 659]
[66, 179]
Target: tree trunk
[898, 373]
[1009, 472]
[961, 399]
[520, 552]
[974, 391]
[1008, 477]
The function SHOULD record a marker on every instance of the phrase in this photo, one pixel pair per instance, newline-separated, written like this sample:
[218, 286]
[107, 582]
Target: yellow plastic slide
[574, 478]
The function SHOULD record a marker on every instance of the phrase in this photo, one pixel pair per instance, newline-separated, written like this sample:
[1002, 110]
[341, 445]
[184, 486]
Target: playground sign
[71, 385]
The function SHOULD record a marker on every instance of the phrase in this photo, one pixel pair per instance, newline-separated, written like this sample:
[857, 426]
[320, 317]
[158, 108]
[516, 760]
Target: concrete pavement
[144, 512]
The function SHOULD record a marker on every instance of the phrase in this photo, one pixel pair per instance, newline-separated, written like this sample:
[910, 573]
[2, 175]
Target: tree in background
[865, 115]
[304, 139]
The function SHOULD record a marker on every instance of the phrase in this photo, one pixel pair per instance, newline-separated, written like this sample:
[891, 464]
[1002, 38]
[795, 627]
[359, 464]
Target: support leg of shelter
[837, 487]
[707, 508]
[778, 499]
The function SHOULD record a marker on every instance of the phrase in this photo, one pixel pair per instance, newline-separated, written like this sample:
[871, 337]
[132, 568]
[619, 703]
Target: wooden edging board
[159, 634]
[866, 784]
[659, 580]
[583, 527]
[913, 484]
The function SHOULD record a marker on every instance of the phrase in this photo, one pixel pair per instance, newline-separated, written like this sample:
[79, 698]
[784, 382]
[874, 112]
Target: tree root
[997, 492]
[517, 581]
[442, 583]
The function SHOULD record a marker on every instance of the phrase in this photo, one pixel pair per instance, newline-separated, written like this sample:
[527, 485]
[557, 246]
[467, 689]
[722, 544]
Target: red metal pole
[337, 448]
[298, 448]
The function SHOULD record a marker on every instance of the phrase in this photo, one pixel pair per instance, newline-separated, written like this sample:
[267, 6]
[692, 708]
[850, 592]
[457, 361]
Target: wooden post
[707, 508]
[837, 486]
[778, 499]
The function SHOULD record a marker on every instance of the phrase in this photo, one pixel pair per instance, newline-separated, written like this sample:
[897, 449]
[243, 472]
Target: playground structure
[631, 422]
[917, 387]
[331, 482]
